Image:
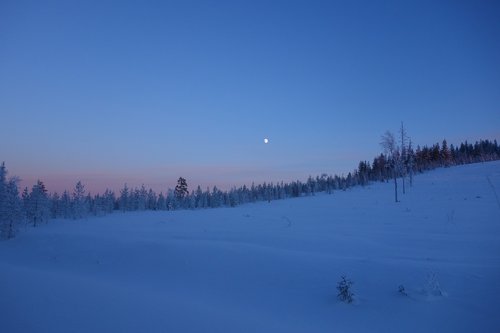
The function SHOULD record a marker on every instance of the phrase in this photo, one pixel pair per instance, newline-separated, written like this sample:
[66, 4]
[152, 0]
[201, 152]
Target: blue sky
[146, 91]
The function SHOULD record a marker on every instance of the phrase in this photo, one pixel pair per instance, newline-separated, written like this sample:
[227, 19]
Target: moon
[266, 140]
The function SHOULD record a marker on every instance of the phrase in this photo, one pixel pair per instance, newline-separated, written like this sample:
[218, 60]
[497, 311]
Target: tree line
[399, 161]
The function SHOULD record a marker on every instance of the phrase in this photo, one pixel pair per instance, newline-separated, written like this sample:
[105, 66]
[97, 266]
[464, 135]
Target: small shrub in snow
[432, 287]
[401, 290]
[344, 287]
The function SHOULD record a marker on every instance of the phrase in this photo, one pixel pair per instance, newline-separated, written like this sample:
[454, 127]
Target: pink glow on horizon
[162, 178]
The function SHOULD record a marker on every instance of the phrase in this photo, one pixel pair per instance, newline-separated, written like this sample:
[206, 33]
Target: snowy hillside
[270, 267]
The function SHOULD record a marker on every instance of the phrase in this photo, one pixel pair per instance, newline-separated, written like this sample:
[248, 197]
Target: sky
[143, 92]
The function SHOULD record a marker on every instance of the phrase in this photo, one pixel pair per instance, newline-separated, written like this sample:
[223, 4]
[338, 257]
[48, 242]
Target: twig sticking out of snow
[288, 220]
[494, 191]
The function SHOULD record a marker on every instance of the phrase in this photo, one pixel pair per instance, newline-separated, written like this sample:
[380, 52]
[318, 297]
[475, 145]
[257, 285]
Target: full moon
[266, 140]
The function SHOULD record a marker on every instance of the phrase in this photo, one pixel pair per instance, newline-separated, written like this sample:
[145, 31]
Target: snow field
[270, 267]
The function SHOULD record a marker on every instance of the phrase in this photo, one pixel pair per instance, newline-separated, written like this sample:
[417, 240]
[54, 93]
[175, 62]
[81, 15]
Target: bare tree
[391, 148]
[404, 154]
[411, 161]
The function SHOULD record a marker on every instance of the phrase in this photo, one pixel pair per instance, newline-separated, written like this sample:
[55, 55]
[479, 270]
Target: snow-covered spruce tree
[124, 199]
[25, 198]
[445, 154]
[140, 198]
[162, 203]
[55, 205]
[216, 198]
[233, 198]
[80, 203]
[170, 200]
[65, 205]
[109, 201]
[3, 190]
[363, 172]
[198, 197]
[205, 199]
[152, 200]
[11, 214]
[192, 200]
[38, 205]
[14, 210]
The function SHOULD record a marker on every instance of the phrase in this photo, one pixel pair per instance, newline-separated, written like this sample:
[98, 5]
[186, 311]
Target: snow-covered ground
[270, 267]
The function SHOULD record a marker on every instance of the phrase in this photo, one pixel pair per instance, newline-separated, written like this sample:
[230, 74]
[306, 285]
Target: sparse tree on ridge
[181, 190]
